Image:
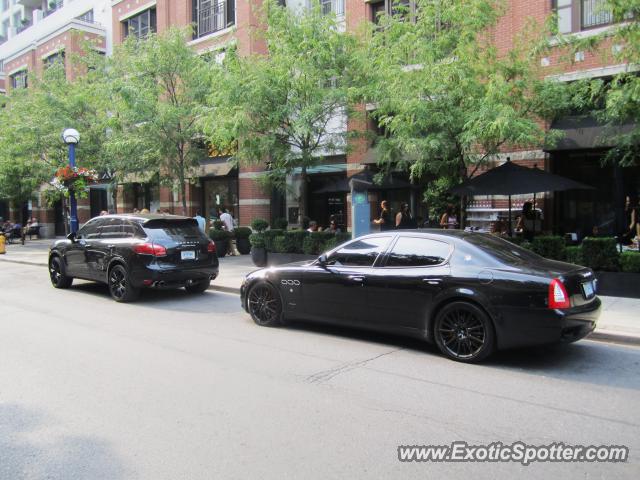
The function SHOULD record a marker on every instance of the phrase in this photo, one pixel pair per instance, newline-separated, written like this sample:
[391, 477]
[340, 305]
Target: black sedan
[131, 252]
[470, 293]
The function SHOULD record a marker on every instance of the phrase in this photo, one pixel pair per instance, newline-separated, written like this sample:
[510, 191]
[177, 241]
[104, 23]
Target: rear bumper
[154, 276]
[519, 327]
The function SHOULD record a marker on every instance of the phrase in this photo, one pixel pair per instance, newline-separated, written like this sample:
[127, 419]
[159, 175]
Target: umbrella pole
[535, 214]
[510, 231]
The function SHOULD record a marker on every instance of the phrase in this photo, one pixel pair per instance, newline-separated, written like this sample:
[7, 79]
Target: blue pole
[72, 195]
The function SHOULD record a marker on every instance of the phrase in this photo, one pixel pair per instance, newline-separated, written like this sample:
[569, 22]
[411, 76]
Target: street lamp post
[71, 137]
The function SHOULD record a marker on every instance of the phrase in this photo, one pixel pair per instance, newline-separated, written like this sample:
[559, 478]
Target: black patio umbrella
[511, 179]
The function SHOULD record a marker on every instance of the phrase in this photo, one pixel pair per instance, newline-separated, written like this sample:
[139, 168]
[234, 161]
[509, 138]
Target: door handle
[356, 278]
[432, 281]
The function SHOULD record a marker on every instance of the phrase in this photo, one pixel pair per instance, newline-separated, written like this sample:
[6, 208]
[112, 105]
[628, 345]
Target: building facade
[38, 31]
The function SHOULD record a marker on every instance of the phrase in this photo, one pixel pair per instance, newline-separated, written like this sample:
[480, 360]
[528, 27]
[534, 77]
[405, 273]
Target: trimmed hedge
[551, 247]
[574, 255]
[219, 235]
[259, 224]
[600, 254]
[280, 224]
[297, 241]
[242, 232]
[630, 262]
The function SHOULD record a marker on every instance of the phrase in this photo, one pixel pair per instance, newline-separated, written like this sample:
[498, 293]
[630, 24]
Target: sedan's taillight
[150, 249]
[211, 247]
[558, 297]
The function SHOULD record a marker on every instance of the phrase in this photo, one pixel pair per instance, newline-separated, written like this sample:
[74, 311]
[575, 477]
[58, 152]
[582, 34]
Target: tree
[283, 107]
[157, 86]
[31, 147]
[446, 98]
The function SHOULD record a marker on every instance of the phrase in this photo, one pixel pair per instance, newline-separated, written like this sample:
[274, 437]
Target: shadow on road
[26, 453]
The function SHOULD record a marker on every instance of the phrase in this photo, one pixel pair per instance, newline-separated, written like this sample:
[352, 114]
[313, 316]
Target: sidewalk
[619, 321]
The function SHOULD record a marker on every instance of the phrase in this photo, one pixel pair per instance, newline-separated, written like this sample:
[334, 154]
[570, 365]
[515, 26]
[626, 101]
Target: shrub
[600, 254]
[343, 237]
[257, 240]
[574, 255]
[218, 224]
[242, 232]
[296, 239]
[552, 247]
[218, 235]
[313, 242]
[259, 224]
[280, 223]
[269, 235]
[330, 244]
[279, 244]
[630, 262]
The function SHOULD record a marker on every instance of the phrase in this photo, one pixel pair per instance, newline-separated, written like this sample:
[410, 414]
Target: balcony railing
[595, 13]
[212, 18]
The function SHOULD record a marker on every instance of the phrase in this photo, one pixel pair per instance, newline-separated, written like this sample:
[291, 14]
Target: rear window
[172, 230]
[503, 251]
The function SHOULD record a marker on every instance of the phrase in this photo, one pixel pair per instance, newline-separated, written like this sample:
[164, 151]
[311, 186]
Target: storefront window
[220, 193]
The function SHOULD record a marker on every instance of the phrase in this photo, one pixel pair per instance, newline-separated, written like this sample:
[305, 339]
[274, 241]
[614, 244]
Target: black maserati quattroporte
[131, 252]
[470, 293]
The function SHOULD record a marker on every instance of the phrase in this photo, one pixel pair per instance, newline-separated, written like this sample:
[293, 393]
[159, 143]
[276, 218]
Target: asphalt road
[187, 387]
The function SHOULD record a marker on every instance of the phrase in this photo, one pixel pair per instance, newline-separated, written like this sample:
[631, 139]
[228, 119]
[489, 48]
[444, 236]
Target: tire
[58, 274]
[198, 287]
[464, 332]
[264, 305]
[120, 287]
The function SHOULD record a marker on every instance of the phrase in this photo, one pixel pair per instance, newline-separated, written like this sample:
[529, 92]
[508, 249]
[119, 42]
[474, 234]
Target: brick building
[218, 24]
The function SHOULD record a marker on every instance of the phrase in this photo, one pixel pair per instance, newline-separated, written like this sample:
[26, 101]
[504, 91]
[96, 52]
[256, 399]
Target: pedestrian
[135, 210]
[226, 219]
[201, 221]
[529, 222]
[404, 220]
[103, 213]
[632, 223]
[384, 219]
[449, 219]
[313, 226]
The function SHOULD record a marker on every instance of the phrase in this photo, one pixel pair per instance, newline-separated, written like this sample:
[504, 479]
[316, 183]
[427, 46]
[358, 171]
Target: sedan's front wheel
[264, 305]
[120, 287]
[464, 332]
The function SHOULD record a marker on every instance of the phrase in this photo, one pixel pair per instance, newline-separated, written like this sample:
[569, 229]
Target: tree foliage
[288, 107]
[156, 88]
[447, 99]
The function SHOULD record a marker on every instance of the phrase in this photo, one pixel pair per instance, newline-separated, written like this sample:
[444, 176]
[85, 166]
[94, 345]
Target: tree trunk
[304, 187]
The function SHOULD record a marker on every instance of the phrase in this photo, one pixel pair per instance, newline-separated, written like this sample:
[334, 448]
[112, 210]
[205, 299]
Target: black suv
[129, 252]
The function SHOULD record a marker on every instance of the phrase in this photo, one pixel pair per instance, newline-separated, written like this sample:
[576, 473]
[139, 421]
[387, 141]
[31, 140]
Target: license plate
[588, 289]
[188, 255]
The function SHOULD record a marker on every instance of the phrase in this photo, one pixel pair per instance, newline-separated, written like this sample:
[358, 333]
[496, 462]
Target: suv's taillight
[558, 297]
[150, 249]
[211, 247]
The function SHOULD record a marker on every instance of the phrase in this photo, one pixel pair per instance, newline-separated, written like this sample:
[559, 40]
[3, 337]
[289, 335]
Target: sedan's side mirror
[322, 260]
[72, 236]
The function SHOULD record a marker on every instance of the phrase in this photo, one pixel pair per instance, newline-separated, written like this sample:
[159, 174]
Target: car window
[361, 253]
[501, 250]
[131, 230]
[172, 230]
[417, 252]
[90, 229]
[112, 228]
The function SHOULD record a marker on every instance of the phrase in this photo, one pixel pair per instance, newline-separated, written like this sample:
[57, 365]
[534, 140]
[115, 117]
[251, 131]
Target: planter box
[282, 258]
[618, 284]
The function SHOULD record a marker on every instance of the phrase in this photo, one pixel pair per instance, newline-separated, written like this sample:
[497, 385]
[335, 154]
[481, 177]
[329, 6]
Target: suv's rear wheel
[464, 332]
[264, 305]
[197, 287]
[120, 286]
[58, 274]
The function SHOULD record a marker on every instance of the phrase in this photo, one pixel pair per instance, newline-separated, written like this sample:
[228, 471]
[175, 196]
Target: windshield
[173, 230]
[502, 250]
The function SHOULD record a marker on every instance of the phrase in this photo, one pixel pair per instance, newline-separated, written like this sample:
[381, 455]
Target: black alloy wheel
[264, 305]
[197, 286]
[120, 287]
[464, 332]
[57, 273]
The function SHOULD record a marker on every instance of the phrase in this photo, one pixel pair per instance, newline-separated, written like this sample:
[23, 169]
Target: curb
[24, 262]
[222, 288]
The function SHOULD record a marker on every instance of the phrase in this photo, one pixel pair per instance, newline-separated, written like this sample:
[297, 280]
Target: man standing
[201, 221]
[227, 220]
[384, 220]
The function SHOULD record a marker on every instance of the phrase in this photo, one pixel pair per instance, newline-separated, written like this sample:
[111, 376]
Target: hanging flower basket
[76, 179]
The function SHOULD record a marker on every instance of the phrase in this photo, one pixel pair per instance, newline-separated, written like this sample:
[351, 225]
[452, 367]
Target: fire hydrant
[2, 244]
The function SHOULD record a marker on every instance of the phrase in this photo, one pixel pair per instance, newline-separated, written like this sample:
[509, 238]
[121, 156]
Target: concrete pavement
[619, 321]
[178, 386]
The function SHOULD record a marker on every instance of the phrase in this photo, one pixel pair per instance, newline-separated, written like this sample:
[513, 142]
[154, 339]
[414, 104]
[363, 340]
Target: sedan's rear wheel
[464, 332]
[264, 305]
[57, 273]
[120, 286]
